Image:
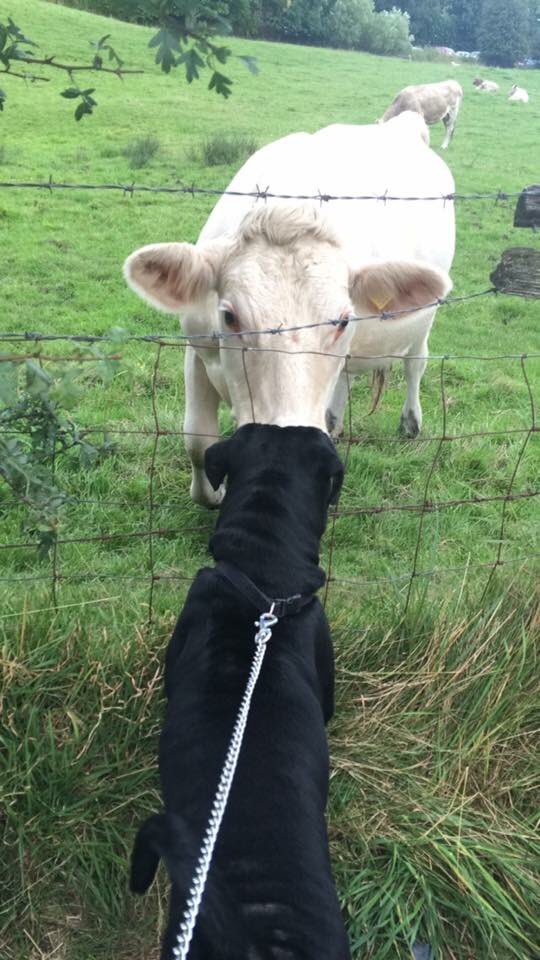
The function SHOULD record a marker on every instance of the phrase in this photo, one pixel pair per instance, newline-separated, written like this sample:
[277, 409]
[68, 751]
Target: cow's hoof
[408, 425]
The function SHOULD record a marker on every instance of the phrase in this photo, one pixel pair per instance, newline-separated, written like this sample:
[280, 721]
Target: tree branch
[25, 76]
[51, 62]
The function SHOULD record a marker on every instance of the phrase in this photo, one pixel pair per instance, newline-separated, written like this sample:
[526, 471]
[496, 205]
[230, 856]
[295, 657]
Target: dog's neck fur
[270, 525]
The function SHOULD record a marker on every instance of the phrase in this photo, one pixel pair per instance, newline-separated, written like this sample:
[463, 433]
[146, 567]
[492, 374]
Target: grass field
[434, 751]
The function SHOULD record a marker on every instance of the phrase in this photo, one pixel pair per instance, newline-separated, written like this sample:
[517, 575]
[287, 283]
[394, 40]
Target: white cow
[286, 263]
[433, 101]
[518, 94]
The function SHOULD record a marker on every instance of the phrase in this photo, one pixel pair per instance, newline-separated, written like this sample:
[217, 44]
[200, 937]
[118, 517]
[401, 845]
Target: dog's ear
[334, 468]
[147, 850]
[216, 462]
[337, 482]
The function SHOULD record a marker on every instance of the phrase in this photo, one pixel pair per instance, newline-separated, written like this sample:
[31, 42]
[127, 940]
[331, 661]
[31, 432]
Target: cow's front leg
[200, 427]
[410, 423]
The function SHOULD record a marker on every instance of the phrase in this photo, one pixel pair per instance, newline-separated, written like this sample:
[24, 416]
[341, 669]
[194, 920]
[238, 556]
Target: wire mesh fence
[152, 507]
[64, 348]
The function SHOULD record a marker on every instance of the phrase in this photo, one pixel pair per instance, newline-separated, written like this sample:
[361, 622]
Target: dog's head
[258, 448]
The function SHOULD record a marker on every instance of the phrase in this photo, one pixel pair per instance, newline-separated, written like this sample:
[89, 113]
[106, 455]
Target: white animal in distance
[518, 94]
[485, 86]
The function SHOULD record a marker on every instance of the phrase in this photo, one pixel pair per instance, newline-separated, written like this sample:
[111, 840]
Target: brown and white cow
[282, 263]
[433, 101]
[485, 86]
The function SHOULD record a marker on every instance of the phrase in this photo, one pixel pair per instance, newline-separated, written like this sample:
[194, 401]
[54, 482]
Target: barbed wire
[425, 506]
[224, 335]
[258, 193]
[239, 340]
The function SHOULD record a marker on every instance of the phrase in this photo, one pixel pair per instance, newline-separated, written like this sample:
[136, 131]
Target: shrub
[388, 34]
[140, 151]
[348, 23]
[503, 34]
[224, 148]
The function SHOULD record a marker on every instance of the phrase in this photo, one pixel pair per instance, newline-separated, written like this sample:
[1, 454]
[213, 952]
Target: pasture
[434, 757]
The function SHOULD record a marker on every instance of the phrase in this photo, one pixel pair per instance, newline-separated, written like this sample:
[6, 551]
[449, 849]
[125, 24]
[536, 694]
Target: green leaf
[38, 380]
[167, 43]
[107, 370]
[67, 391]
[221, 54]
[88, 455]
[8, 383]
[251, 63]
[192, 62]
[221, 84]
[118, 334]
[3, 99]
[71, 93]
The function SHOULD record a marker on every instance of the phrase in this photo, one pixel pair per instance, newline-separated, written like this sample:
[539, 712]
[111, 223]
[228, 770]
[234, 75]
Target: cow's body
[293, 263]
[518, 94]
[485, 86]
[433, 101]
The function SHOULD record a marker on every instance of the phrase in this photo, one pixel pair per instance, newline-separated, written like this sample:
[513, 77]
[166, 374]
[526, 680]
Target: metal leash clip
[265, 623]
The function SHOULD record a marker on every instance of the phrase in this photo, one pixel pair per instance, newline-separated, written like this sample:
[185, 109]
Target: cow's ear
[397, 285]
[216, 462]
[172, 275]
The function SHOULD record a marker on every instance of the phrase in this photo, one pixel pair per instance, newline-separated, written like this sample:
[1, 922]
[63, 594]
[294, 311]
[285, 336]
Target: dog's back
[270, 892]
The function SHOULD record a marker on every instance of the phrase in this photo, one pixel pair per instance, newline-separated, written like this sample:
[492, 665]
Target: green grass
[222, 149]
[141, 151]
[432, 802]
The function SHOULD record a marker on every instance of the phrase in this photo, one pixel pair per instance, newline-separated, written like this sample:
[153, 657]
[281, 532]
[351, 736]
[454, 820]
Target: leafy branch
[36, 430]
[183, 40]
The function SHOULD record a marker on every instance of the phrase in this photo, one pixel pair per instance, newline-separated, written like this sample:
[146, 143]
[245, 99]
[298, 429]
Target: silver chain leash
[183, 940]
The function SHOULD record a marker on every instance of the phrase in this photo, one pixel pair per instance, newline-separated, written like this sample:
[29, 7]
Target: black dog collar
[281, 607]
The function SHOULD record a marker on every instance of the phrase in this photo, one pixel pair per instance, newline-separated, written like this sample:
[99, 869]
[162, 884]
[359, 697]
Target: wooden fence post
[527, 213]
[518, 271]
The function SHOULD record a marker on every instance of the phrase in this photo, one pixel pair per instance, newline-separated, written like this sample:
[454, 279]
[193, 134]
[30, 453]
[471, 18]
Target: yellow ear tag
[381, 302]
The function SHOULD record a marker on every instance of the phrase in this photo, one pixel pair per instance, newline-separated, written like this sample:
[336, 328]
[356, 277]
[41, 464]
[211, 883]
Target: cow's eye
[343, 323]
[228, 315]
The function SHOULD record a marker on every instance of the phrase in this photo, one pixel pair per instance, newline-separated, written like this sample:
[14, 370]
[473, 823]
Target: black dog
[270, 893]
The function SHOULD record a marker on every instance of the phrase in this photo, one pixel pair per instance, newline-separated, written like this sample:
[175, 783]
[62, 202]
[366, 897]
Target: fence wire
[25, 345]
[151, 505]
[258, 193]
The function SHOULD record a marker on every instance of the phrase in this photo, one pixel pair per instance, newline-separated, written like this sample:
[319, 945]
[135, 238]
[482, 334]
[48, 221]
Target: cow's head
[283, 268]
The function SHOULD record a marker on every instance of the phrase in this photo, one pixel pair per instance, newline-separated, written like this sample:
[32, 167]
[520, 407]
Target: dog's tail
[221, 929]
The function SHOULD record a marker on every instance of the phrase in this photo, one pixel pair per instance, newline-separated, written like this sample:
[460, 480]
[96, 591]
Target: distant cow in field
[356, 279]
[518, 94]
[487, 86]
[434, 101]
